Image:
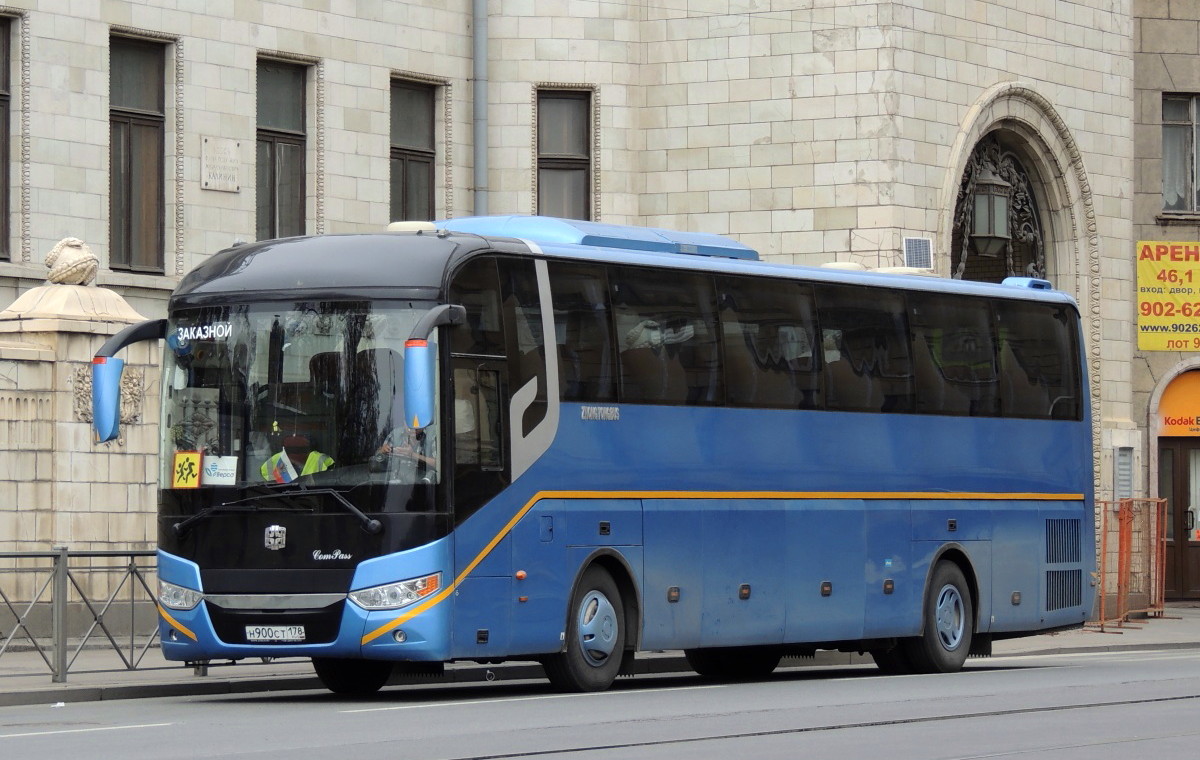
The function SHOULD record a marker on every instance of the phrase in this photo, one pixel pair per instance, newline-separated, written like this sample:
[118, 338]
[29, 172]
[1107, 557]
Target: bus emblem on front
[275, 537]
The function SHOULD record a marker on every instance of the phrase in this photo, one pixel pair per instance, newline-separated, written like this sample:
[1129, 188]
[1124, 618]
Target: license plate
[258, 634]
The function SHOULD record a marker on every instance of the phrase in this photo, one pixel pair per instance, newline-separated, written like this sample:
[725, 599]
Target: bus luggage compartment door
[724, 559]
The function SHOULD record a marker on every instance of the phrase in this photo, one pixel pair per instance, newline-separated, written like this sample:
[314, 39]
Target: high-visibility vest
[316, 462]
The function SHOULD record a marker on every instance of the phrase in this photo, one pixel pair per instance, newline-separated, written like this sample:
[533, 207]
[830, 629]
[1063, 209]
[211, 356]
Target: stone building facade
[811, 130]
[1166, 379]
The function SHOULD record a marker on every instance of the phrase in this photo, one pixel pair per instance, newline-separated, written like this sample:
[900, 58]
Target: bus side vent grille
[1062, 541]
[1064, 589]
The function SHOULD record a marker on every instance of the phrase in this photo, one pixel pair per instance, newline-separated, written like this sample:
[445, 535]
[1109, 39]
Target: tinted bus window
[479, 372]
[477, 287]
[954, 355]
[1039, 373]
[526, 350]
[769, 337]
[666, 333]
[865, 345]
[583, 332]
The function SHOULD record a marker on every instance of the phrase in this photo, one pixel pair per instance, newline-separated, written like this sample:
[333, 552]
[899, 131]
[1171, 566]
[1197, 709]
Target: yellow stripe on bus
[437, 598]
[777, 495]
[175, 623]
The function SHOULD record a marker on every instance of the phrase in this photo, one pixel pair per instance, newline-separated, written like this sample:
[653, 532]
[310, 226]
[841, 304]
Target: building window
[281, 143]
[137, 125]
[1179, 126]
[5, 115]
[563, 153]
[412, 151]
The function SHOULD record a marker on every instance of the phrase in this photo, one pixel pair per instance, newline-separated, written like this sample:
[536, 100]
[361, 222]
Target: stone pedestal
[58, 487]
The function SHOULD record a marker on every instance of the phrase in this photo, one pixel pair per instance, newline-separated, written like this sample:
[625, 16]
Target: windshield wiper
[370, 524]
[181, 528]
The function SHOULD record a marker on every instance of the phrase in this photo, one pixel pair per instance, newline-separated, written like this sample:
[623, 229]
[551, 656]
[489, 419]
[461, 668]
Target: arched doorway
[1178, 426]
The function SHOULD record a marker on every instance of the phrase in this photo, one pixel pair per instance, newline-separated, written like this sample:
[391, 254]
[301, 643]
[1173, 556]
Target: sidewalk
[98, 674]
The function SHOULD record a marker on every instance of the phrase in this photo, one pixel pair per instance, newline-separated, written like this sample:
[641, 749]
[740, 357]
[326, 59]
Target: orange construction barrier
[1133, 558]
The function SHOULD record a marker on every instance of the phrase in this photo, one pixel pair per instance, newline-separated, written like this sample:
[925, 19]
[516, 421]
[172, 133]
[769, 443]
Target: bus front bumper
[192, 635]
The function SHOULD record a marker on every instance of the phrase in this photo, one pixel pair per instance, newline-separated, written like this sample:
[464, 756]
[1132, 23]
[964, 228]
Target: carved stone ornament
[67, 295]
[133, 395]
[71, 262]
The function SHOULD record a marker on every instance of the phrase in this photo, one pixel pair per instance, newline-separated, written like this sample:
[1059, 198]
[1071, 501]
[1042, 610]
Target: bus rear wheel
[734, 663]
[595, 636]
[948, 624]
[352, 677]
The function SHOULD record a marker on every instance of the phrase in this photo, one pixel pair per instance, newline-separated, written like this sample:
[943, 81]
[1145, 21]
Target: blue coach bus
[523, 438]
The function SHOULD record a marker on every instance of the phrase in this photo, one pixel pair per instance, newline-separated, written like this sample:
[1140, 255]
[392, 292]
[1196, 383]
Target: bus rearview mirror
[106, 397]
[419, 383]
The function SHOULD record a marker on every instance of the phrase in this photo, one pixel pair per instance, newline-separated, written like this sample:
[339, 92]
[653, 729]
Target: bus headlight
[177, 597]
[393, 596]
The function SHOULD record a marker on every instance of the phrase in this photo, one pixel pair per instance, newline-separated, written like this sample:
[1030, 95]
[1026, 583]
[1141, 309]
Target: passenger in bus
[297, 458]
[407, 455]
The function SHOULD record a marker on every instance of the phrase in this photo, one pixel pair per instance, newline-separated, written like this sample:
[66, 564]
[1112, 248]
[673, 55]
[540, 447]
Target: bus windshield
[305, 392]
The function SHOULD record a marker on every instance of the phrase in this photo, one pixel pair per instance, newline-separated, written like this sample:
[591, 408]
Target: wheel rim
[597, 628]
[951, 617]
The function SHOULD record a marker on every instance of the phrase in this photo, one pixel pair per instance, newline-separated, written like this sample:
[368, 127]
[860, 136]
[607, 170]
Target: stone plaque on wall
[220, 164]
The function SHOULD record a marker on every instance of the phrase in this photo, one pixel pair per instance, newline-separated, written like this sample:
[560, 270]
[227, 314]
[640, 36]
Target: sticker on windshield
[219, 471]
[185, 469]
[214, 331]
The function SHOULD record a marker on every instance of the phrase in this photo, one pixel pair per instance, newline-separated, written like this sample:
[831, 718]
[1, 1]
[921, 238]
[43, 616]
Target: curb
[1093, 649]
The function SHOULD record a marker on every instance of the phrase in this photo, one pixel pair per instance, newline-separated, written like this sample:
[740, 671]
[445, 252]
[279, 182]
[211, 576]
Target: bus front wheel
[948, 624]
[352, 677]
[595, 636]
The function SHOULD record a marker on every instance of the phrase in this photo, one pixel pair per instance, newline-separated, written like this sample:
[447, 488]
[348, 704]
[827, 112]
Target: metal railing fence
[85, 599]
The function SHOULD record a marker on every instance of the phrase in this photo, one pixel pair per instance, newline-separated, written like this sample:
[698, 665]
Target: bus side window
[526, 348]
[769, 335]
[476, 286]
[476, 414]
[1039, 377]
[666, 331]
[479, 372]
[865, 340]
[954, 355]
[583, 332]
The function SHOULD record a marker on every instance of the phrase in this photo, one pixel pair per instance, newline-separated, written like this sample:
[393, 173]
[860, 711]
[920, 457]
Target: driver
[297, 458]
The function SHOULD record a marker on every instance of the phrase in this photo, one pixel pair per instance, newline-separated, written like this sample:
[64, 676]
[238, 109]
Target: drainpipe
[480, 70]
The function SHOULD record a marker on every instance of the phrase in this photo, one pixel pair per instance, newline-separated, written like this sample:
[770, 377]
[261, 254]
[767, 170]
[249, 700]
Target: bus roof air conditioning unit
[918, 252]
[551, 231]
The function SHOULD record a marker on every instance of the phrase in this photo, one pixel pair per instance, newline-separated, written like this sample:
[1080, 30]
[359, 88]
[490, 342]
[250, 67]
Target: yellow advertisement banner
[1168, 290]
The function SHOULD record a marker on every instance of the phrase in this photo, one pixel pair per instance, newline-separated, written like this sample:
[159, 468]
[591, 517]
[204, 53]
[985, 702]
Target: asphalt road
[1087, 705]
